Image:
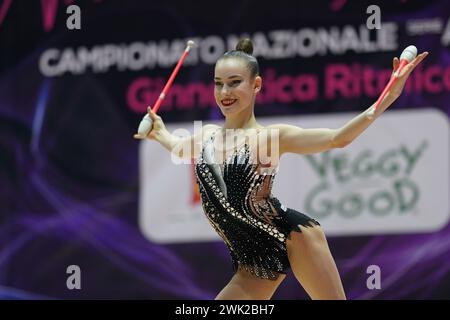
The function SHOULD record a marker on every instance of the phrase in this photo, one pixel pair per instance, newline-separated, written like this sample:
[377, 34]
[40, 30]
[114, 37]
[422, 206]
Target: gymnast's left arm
[307, 141]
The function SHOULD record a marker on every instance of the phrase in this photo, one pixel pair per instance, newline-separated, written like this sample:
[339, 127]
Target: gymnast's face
[234, 88]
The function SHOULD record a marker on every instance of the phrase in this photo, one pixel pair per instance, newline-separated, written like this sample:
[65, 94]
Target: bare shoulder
[207, 130]
[284, 133]
[210, 126]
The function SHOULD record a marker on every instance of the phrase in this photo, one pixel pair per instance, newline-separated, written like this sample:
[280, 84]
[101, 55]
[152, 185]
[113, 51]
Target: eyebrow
[233, 76]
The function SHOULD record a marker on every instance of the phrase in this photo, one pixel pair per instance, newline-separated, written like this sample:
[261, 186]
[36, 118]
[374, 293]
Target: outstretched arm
[306, 141]
[175, 144]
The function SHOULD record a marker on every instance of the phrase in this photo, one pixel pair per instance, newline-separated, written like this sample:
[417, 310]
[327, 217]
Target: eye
[217, 84]
[235, 82]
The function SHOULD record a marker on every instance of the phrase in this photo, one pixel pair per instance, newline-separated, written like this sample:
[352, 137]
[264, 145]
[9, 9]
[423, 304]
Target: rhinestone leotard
[237, 201]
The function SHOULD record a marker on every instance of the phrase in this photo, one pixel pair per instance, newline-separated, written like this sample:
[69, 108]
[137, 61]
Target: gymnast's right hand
[151, 126]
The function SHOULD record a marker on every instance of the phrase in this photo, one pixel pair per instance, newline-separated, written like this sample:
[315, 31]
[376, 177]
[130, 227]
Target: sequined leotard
[237, 200]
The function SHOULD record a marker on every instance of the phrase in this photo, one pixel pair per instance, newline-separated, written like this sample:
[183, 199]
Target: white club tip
[145, 126]
[190, 43]
[409, 53]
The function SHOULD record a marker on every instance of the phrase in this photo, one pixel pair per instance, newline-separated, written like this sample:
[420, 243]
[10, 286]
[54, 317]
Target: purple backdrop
[69, 167]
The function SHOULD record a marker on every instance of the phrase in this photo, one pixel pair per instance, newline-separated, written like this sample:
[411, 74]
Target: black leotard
[237, 200]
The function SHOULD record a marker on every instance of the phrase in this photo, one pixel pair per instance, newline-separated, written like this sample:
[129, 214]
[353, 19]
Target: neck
[241, 120]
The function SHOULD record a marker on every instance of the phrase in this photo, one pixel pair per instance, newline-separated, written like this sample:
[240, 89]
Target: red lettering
[305, 88]
[337, 81]
[431, 85]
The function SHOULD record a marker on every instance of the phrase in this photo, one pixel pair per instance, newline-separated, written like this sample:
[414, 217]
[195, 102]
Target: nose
[225, 90]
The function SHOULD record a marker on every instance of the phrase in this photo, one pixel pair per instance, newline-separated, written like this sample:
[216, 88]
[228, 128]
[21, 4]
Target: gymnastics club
[146, 123]
[406, 57]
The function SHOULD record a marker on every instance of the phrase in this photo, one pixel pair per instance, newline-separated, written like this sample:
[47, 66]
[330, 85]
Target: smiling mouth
[228, 102]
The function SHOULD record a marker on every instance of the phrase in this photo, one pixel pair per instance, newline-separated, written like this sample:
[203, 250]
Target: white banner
[392, 179]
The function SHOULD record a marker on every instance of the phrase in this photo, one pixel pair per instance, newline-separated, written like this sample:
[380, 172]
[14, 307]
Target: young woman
[265, 239]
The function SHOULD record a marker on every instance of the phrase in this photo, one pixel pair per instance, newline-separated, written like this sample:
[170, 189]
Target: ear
[258, 84]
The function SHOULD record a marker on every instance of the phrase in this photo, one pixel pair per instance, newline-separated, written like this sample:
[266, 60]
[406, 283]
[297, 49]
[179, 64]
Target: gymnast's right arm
[182, 147]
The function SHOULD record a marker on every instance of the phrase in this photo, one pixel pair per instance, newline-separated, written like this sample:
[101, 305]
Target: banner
[390, 181]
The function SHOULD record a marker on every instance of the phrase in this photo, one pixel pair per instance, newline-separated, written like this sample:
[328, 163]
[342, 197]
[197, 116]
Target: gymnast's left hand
[397, 87]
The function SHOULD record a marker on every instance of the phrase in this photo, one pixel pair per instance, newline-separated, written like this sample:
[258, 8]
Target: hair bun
[245, 45]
